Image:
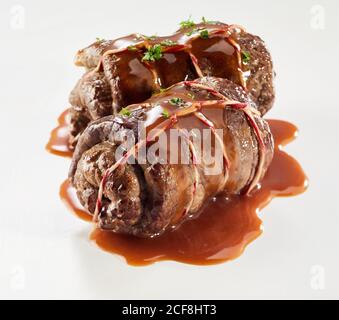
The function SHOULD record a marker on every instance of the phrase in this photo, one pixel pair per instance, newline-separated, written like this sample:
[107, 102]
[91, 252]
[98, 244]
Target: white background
[45, 251]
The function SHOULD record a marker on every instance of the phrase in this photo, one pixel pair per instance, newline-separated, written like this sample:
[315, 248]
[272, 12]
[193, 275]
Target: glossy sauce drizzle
[225, 226]
[186, 56]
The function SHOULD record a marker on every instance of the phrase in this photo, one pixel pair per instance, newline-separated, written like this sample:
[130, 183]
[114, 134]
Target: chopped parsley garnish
[139, 37]
[125, 112]
[168, 43]
[191, 32]
[132, 48]
[187, 24]
[165, 114]
[204, 34]
[177, 102]
[191, 95]
[158, 91]
[153, 53]
[150, 38]
[245, 56]
[204, 20]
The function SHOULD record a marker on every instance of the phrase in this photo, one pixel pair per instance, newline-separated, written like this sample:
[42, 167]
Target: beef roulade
[145, 198]
[130, 69]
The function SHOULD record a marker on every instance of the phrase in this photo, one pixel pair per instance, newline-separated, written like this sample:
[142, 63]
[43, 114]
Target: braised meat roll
[149, 196]
[130, 69]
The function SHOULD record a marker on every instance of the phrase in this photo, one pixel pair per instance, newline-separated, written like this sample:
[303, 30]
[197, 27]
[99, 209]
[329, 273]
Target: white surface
[45, 251]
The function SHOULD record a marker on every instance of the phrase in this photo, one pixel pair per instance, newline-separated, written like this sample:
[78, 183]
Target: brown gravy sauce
[224, 228]
[58, 142]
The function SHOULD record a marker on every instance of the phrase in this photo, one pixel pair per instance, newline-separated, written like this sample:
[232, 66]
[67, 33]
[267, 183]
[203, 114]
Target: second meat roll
[130, 69]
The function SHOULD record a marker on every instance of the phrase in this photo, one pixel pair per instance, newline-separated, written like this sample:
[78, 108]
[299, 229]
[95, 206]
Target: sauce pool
[225, 226]
[58, 143]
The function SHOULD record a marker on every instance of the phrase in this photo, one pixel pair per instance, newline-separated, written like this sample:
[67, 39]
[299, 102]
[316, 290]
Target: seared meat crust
[146, 199]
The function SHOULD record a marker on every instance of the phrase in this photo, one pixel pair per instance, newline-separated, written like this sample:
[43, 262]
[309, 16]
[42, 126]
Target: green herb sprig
[150, 38]
[191, 95]
[245, 57]
[204, 20]
[204, 34]
[165, 114]
[168, 43]
[125, 112]
[191, 32]
[132, 48]
[186, 24]
[177, 102]
[153, 53]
